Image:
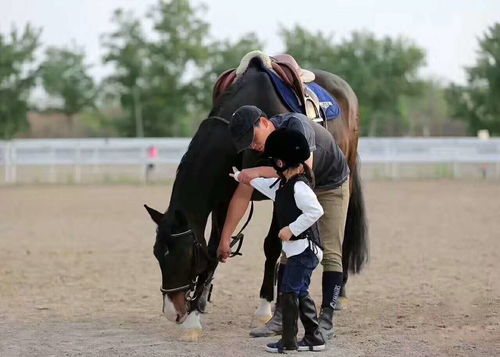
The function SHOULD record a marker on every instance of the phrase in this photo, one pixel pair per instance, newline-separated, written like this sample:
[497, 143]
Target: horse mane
[200, 133]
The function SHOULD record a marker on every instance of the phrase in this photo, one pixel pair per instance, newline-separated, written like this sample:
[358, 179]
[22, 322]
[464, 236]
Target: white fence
[95, 160]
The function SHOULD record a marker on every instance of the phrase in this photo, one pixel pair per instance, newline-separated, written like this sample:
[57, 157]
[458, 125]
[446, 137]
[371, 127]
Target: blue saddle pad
[328, 104]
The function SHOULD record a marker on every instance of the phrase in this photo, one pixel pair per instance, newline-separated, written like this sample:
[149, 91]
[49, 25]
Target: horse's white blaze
[193, 321]
[169, 309]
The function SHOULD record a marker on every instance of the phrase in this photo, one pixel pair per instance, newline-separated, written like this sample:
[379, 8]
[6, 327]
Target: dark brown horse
[202, 186]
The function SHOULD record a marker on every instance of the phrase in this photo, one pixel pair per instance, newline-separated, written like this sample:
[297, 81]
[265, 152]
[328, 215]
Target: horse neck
[202, 177]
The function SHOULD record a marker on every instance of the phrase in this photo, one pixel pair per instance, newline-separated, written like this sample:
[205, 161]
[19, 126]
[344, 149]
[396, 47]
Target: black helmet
[287, 145]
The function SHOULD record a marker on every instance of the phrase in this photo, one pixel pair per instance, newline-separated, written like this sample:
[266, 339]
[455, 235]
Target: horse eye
[166, 252]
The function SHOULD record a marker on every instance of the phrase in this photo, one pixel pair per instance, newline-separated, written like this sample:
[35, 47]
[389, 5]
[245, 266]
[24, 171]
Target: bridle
[195, 287]
[192, 288]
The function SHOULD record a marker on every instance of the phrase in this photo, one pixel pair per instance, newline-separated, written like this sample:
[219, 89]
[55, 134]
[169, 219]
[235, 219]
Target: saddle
[287, 69]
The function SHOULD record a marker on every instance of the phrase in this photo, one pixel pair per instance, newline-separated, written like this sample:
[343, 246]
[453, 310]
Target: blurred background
[145, 69]
[100, 97]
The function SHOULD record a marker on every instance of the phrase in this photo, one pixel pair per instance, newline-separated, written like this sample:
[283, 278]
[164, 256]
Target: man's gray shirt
[329, 163]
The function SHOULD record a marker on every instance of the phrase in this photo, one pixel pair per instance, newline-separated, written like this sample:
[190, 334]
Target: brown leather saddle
[287, 68]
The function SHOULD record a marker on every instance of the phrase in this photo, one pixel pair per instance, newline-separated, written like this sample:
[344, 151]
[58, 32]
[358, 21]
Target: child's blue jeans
[298, 271]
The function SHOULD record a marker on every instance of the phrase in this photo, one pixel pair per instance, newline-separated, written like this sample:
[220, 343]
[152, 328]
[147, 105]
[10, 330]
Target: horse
[202, 187]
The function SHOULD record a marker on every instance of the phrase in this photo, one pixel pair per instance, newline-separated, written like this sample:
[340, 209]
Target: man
[249, 128]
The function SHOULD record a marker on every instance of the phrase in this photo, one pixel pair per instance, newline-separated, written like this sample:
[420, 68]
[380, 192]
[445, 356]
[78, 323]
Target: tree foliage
[381, 72]
[477, 103]
[155, 75]
[16, 78]
[127, 50]
[65, 77]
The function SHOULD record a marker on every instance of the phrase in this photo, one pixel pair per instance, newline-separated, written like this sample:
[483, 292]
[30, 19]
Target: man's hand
[248, 175]
[285, 234]
[223, 251]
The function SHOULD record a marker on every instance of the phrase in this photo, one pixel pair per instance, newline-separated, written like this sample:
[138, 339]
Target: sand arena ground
[77, 275]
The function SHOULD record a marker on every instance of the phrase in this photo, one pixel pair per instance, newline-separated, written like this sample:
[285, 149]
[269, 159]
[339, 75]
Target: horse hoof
[190, 335]
[263, 314]
[260, 320]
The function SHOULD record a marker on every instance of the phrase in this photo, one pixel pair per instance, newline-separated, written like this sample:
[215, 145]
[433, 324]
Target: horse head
[182, 258]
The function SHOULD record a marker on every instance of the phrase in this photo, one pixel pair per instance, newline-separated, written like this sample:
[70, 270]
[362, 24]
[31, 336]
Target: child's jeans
[298, 271]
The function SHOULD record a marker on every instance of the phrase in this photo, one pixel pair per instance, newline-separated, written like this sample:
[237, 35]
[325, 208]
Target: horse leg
[272, 250]
[218, 217]
[192, 325]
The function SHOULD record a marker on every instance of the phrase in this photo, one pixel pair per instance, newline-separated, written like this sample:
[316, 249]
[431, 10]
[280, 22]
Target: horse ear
[155, 215]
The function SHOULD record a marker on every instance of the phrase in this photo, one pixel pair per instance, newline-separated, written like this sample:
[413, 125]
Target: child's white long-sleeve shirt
[306, 201]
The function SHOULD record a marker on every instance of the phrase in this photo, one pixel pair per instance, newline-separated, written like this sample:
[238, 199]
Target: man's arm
[237, 208]
[248, 175]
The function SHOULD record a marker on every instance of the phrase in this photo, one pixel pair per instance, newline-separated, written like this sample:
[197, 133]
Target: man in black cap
[249, 128]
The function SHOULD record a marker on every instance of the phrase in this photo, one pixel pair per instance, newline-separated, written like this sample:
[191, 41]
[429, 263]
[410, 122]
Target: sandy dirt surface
[78, 277]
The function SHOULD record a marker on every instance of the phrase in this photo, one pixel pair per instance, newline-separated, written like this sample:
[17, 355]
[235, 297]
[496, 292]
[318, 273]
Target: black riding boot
[290, 310]
[332, 284]
[313, 340]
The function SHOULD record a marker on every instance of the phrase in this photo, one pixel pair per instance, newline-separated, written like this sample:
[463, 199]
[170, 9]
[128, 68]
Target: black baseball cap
[241, 125]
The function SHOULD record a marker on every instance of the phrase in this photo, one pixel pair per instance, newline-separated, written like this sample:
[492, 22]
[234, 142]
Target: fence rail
[41, 160]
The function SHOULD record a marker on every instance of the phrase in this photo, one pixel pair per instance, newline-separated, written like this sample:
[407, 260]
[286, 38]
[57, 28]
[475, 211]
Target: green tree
[127, 50]
[427, 114]
[16, 79]
[180, 50]
[64, 77]
[381, 72]
[156, 78]
[477, 103]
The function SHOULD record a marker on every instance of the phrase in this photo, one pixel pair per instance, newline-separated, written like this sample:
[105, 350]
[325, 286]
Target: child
[297, 210]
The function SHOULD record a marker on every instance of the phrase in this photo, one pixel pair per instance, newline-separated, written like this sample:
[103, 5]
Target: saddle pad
[328, 104]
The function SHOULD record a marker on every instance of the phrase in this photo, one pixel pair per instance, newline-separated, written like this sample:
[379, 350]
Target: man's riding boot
[326, 322]
[288, 342]
[272, 327]
[332, 284]
[313, 340]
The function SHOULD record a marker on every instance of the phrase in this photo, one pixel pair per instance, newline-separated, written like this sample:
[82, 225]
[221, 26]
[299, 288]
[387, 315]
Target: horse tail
[355, 246]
